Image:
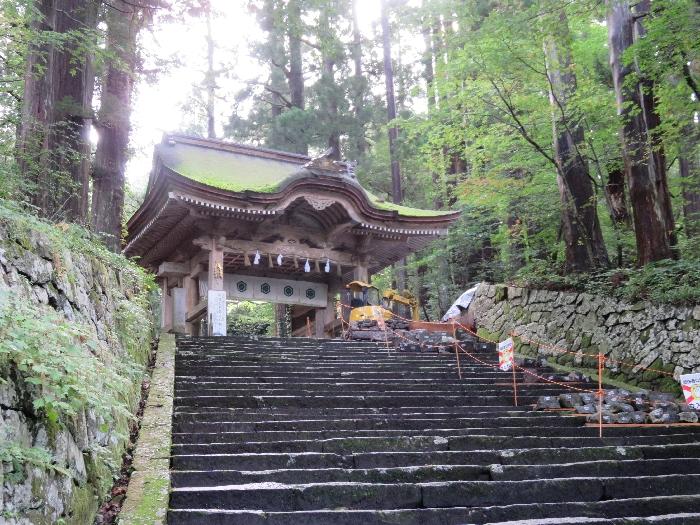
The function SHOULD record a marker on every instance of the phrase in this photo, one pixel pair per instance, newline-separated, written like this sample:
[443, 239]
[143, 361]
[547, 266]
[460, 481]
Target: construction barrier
[451, 327]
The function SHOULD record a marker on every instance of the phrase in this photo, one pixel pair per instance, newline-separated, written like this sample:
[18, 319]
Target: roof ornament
[326, 164]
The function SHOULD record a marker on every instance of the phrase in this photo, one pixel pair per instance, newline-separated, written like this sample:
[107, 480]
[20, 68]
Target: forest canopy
[567, 132]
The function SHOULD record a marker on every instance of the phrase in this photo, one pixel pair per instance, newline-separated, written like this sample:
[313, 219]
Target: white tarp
[461, 304]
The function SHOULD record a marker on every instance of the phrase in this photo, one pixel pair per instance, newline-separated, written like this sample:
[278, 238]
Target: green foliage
[667, 281]
[21, 225]
[18, 457]
[64, 368]
[676, 282]
[251, 318]
[68, 366]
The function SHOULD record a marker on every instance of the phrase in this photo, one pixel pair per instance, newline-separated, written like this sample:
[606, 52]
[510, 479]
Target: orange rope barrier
[601, 360]
[454, 336]
[515, 385]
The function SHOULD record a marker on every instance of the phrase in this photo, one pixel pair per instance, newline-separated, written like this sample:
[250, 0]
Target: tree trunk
[123, 25]
[37, 106]
[583, 239]
[690, 184]
[428, 70]
[396, 190]
[210, 79]
[296, 74]
[615, 190]
[644, 169]
[329, 57]
[54, 146]
[75, 77]
[276, 56]
[359, 86]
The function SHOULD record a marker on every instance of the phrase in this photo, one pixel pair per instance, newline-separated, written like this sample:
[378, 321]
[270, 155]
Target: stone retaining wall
[57, 467]
[642, 335]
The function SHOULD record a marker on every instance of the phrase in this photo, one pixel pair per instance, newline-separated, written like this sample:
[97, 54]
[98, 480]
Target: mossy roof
[237, 172]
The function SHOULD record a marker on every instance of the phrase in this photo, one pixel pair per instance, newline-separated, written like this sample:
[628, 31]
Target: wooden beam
[173, 269]
[280, 247]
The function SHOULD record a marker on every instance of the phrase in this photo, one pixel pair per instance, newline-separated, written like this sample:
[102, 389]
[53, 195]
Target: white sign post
[505, 354]
[216, 312]
[690, 383]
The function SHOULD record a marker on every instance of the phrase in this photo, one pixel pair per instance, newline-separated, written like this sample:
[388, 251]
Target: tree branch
[280, 96]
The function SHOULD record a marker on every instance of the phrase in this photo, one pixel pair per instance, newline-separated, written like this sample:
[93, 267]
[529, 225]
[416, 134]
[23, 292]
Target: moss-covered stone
[83, 506]
[147, 496]
[501, 293]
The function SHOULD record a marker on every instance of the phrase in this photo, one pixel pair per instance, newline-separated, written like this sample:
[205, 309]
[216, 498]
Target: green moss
[487, 335]
[75, 369]
[147, 495]
[240, 173]
[593, 374]
[644, 335]
[501, 293]
[668, 384]
[403, 210]
[689, 325]
[152, 505]
[82, 506]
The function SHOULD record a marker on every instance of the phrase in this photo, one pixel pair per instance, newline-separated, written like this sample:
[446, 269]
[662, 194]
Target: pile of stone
[425, 341]
[621, 406]
[398, 324]
[571, 377]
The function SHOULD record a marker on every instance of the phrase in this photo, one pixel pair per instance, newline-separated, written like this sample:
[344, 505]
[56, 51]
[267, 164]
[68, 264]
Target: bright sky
[158, 106]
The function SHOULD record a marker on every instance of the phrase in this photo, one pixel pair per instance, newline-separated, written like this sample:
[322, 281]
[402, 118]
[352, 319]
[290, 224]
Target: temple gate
[224, 221]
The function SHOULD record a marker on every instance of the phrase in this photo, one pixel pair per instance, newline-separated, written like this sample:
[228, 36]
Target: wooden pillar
[191, 299]
[281, 320]
[326, 315]
[179, 302]
[320, 322]
[216, 295]
[216, 266]
[166, 306]
[360, 271]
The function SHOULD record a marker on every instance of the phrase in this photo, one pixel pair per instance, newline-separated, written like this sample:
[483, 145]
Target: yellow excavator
[404, 306]
[365, 303]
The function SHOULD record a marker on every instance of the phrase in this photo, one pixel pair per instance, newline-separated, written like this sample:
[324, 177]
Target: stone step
[494, 472]
[221, 436]
[296, 413]
[208, 478]
[380, 424]
[379, 496]
[679, 510]
[341, 372]
[349, 401]
[281, 431]
[330, 381]
[330, 392]
[426, 443]
[505, 456]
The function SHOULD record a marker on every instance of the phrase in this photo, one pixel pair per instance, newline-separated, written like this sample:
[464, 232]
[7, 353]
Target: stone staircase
[301, 431]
